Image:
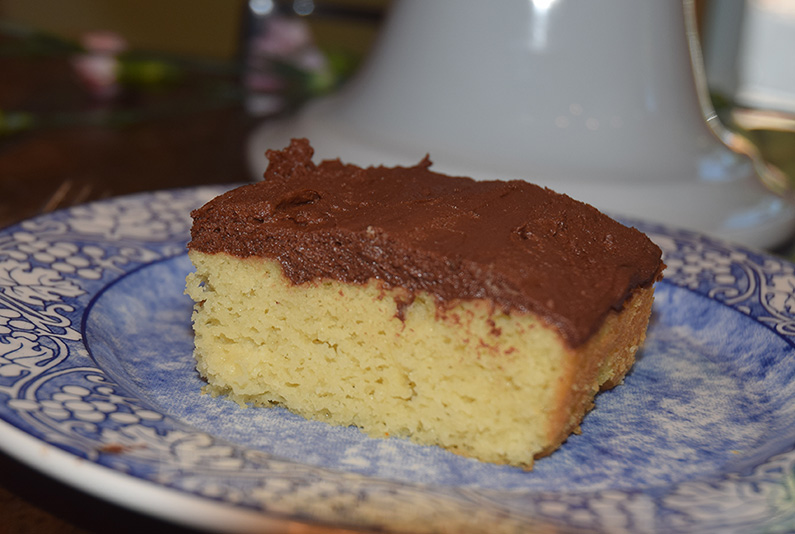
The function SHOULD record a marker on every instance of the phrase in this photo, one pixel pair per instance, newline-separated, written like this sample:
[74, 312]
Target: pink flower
[281, 37]
[104, 42]
[98, 66]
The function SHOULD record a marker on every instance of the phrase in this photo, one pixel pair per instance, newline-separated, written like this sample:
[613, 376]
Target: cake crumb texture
[498, 387]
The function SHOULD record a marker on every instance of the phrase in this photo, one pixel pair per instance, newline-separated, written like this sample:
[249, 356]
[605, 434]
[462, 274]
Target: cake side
[499, 387]
[602, 363]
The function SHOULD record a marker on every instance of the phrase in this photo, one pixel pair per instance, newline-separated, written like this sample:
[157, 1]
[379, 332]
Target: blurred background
[103, 98]
[104, 81]
[198, 28]
[100, 98]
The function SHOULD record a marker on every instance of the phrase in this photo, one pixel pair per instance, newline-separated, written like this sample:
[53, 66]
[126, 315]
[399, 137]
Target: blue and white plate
[98, 388]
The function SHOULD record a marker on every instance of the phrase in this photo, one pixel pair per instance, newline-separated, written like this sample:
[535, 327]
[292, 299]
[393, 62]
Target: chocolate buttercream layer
[519, 245]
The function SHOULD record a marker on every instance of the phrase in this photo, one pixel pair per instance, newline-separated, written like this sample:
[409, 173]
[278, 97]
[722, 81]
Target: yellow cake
[482, 317]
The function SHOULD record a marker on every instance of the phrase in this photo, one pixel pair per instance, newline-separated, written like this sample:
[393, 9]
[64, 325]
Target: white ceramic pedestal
[598, 99]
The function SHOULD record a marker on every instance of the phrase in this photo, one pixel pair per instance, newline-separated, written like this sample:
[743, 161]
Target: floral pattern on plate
[95, 360]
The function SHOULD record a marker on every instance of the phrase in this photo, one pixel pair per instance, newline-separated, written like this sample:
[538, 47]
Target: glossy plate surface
[97, 388]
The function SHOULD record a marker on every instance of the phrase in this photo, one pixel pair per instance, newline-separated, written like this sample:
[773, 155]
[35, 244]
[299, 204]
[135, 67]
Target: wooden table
[45, 169]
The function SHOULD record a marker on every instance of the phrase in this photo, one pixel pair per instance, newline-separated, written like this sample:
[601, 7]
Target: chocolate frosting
[522, 246]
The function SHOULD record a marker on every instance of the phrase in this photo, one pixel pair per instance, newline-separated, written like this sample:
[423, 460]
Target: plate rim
[60, 463]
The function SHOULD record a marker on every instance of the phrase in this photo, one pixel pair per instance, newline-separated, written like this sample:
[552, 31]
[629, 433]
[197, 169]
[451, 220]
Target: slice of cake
[480, 316]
